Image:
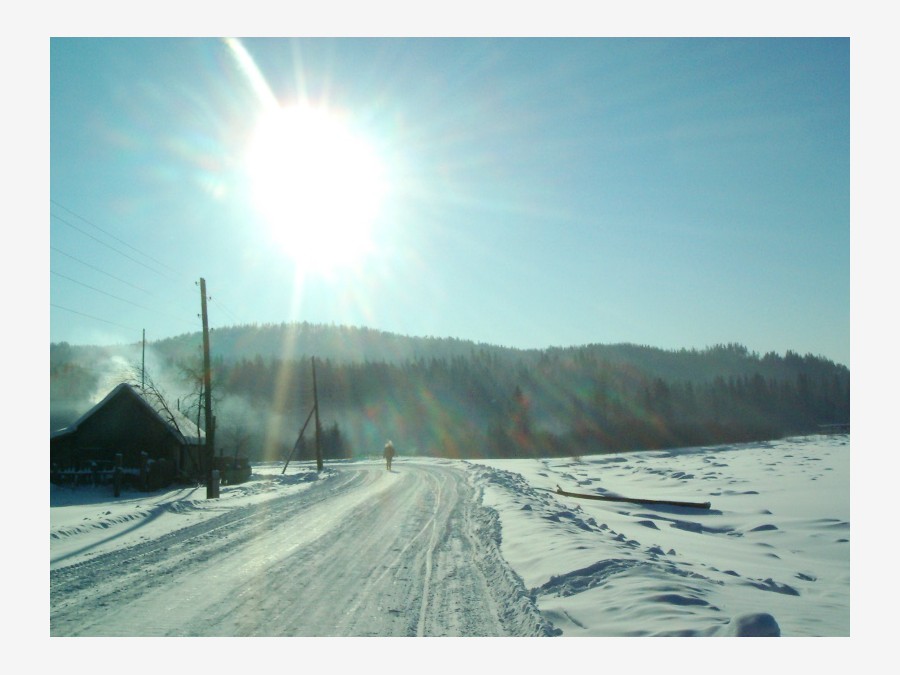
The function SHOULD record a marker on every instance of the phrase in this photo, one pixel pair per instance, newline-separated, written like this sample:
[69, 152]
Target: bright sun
[318, 184]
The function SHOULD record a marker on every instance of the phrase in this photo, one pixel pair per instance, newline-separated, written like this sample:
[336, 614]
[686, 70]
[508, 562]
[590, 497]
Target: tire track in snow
[119, 577]
[363, 553]
[429, 556]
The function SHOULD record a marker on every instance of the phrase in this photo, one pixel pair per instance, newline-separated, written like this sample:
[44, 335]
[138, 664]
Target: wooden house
[158, 446]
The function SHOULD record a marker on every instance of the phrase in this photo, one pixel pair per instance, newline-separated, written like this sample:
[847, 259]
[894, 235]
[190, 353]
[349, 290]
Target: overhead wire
[109, 246]
[116, 297]
[97, 269]
[218, 303]
[89, 316]
[109, 234]
[108, 274]
[225, 309]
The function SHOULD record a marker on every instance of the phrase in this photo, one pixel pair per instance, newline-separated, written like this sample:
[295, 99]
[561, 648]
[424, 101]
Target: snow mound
[753, 625]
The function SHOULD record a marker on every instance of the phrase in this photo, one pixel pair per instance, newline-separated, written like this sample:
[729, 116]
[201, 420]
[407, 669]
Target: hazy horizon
[156, 340]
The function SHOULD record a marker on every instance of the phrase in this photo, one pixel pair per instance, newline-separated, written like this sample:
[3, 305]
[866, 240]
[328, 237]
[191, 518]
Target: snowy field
[771, 556]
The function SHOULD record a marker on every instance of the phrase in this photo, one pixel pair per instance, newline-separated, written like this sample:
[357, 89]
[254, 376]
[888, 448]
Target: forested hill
[455, 397]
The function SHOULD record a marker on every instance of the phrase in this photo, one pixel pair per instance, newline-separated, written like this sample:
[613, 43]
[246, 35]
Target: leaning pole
[318, 425]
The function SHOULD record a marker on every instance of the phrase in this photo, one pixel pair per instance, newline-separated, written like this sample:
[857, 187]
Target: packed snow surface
[440, 547]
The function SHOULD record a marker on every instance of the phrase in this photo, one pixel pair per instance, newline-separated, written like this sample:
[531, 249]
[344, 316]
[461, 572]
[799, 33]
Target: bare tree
[154, 395]
[237, 435]
[195, 409]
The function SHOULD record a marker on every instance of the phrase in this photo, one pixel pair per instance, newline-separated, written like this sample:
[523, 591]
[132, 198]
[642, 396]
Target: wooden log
[611, 498]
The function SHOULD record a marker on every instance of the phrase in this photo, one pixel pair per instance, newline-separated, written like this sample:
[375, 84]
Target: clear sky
[521, 192]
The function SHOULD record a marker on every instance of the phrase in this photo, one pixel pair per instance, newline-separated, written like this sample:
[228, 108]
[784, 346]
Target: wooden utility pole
[318, 426]
[207, 386]
[143, 351]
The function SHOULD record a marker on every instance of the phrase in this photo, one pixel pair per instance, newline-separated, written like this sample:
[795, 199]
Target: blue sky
[535, 192]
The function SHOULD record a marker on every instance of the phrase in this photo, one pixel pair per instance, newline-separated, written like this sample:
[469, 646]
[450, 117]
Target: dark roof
[180, 426]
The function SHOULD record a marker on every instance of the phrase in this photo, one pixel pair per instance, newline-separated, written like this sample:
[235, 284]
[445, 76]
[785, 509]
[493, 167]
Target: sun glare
[318, 185]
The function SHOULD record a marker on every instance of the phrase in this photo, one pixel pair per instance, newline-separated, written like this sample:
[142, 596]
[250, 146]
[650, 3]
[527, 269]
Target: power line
[116, 297]
[95, 318]
[109, 234]
[93, 267]
[112, 276]
[116, 250]
[112, 248]
[227, 311]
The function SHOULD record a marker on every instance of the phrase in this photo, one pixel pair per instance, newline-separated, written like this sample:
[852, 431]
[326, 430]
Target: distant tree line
[481, 407]
[467, 400]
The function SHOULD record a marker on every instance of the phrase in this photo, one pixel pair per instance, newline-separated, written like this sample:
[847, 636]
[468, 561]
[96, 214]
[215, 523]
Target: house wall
[124, 425]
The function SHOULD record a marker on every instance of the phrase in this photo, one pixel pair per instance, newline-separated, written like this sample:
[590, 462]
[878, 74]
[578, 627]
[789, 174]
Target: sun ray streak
[251, 71]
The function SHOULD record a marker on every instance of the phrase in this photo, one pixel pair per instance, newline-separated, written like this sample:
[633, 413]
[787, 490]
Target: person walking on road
[389, 453]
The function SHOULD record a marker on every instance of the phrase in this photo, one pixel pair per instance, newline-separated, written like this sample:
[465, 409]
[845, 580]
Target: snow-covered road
[365, 552]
